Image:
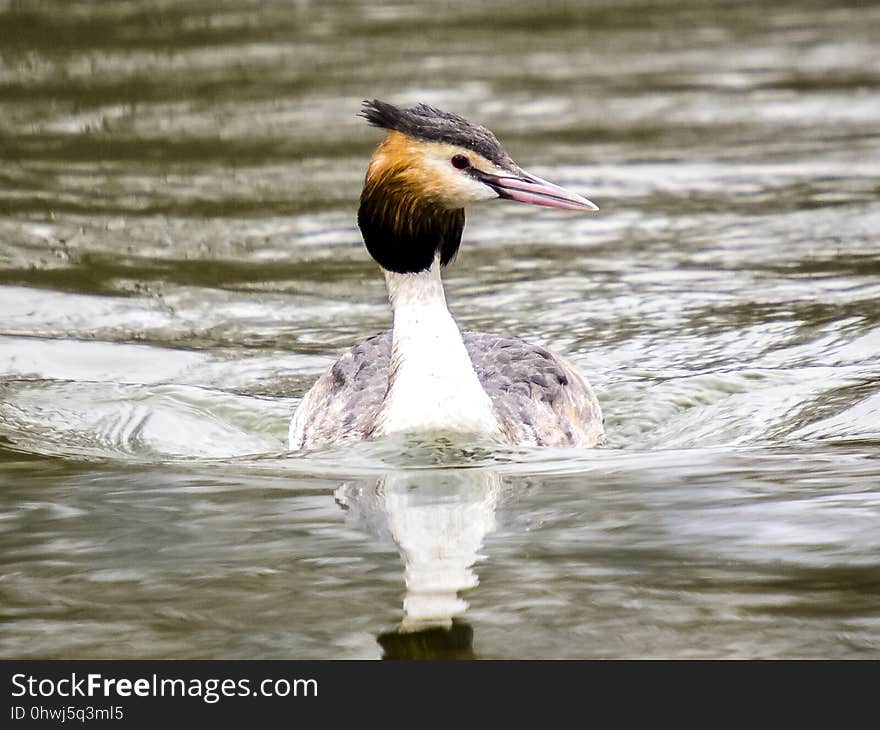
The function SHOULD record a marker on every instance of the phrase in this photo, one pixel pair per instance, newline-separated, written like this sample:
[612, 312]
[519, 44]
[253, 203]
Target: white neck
[432, 383]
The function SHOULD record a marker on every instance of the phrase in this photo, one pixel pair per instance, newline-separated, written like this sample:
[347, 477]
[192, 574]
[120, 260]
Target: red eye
[460, 162]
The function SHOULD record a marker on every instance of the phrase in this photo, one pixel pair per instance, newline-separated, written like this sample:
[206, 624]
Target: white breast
[433, 386]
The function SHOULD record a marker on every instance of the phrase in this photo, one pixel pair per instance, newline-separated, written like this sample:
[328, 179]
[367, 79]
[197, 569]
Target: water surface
[179, 261]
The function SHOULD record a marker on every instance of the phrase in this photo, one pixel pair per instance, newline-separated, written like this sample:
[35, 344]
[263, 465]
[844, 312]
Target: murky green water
[179, 260]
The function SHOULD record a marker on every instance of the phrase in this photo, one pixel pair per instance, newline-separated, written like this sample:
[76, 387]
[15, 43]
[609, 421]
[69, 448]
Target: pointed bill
[531, 189]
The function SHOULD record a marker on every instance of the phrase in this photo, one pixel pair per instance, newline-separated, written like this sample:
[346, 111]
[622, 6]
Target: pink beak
[527, 188]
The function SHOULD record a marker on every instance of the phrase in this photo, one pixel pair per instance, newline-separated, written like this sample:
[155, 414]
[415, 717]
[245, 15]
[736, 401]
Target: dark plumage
[429, 123]
[407, 243]
[538, 397]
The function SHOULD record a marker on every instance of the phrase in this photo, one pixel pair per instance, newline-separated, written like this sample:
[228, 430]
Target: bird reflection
[435, 642]
[438, 519]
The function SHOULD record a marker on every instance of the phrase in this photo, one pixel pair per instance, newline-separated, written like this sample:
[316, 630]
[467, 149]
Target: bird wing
[539, 397]
[343, 405]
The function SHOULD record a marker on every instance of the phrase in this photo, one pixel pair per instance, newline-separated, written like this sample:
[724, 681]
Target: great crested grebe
[426, 375]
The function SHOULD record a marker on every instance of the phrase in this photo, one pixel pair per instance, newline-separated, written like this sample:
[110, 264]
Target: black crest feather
[423, 121]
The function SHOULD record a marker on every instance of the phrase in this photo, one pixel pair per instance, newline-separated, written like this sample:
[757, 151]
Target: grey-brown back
[539, 398]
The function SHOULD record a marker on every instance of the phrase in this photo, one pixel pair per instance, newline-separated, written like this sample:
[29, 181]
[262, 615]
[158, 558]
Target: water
[179, 260]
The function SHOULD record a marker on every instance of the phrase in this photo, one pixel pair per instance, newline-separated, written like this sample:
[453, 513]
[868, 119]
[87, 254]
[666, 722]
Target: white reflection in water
[438, 520]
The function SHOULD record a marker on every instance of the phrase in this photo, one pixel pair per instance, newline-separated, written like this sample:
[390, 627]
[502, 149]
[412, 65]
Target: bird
[426, 375]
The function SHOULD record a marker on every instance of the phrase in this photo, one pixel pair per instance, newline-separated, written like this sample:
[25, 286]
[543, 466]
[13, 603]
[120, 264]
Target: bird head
[430, 165]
